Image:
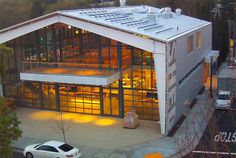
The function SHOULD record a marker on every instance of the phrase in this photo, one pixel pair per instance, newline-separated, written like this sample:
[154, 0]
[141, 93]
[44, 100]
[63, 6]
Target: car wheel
[29, 155]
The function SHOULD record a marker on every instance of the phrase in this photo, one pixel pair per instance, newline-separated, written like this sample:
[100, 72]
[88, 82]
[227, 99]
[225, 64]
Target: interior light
[76, 32]
[69, 27]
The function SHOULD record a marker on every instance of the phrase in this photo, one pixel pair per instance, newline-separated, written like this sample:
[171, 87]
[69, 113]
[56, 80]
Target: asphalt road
[219, 138]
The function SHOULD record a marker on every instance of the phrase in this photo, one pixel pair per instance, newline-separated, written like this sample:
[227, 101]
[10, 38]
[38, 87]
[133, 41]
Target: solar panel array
[125, 19]
[128, 18]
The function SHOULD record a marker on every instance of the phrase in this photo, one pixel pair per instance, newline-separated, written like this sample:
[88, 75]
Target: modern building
[108, 61]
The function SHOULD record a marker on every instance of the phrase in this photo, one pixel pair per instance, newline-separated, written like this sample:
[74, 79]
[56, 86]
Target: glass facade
[60, 46]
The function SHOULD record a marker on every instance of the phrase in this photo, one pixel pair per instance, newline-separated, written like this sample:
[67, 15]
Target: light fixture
[69, 27]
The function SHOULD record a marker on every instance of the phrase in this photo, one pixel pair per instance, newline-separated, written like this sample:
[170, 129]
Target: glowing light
[76, 32]
[84, 119]
[70, 116]
[154, 155]
[104, 122]
[43, 115]
[69, 27]
[85, 101]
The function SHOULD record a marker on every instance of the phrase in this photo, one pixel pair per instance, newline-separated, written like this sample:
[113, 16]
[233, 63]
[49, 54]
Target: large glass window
[140, 86]
[78, 98]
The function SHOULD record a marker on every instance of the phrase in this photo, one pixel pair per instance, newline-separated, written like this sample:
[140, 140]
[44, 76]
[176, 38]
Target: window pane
[65, 147]
[199, 40]
[190, 44]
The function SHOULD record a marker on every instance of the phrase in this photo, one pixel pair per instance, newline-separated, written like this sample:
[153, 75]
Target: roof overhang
[70, 79]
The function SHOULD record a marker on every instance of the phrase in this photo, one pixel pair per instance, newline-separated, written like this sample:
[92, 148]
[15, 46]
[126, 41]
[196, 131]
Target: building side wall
[187, 91]
[187, 61]
[190, 67]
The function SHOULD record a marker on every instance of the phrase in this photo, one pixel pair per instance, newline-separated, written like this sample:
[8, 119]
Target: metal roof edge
[186, 32]
[29, 22]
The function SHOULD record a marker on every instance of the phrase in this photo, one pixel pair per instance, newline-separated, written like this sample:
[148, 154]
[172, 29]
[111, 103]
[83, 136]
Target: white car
[224, 100]
[51, 149]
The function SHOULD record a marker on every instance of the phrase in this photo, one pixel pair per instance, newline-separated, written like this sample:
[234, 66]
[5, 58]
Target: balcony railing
[83, 69]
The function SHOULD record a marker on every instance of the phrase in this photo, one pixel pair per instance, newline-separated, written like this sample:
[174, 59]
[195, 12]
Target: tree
[14, 11]
[61, 127]
[9, 129]
[37, 9]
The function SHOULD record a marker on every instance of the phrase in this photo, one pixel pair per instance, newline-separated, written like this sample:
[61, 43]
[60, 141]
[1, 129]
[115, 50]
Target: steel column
[120, 87]
[57, 97]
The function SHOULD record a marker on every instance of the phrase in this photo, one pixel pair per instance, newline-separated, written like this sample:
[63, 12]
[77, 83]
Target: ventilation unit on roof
[122, 3]
[165, 12]
[178, 11]
[140, 10]
[151, 14]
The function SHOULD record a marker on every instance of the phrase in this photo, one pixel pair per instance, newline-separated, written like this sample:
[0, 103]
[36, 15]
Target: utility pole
[229, 45]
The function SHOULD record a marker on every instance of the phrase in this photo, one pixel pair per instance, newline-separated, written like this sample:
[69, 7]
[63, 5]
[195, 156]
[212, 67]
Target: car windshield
[65, 147]
[223, 97]
[37, 145]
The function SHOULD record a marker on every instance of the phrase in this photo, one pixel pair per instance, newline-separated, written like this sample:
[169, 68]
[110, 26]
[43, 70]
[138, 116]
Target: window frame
[190, 44]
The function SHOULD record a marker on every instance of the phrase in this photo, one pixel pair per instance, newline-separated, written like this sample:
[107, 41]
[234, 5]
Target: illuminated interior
[89, 54]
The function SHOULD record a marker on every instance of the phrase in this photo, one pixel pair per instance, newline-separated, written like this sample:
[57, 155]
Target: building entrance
[110, 102]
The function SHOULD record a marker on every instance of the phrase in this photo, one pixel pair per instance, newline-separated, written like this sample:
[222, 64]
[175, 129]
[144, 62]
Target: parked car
[51, 149]
[224, 99]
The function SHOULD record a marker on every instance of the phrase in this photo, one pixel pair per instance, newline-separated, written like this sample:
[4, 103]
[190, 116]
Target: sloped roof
[144, 21]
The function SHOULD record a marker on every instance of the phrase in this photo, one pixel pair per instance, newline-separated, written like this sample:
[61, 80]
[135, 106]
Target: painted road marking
[213, 152]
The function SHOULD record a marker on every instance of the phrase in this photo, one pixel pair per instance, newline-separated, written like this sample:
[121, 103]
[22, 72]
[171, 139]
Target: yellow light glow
[76, 32]
[104, 122]
[43, 115]
[86, 101]
[84, 119]
[70, 116]
[154, 155]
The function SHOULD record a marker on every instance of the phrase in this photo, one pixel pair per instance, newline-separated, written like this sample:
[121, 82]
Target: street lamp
[211, 96]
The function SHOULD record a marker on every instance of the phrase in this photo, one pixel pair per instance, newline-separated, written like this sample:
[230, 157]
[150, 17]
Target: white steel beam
[160, 68]
[27, 27]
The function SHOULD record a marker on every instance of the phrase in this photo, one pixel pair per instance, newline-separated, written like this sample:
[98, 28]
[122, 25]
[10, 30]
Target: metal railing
[69, 68]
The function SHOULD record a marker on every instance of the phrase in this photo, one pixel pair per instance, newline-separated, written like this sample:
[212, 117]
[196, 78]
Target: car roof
[54, 143]
[224, 92]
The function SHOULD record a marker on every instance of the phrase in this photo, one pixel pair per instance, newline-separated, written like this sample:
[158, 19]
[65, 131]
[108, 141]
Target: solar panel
[150, 25]
[103, 14]
[138, 23]
[164, 30]
[121, 17]
[152, 28]
[131, 22]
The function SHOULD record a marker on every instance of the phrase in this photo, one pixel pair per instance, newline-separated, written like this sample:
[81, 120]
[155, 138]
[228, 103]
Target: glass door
[110, 102]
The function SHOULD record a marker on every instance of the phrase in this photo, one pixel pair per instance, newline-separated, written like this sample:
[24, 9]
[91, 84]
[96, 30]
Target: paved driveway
[88, 131]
